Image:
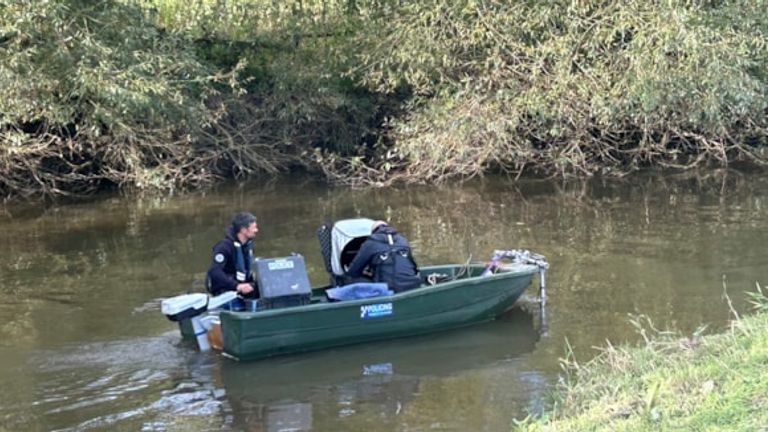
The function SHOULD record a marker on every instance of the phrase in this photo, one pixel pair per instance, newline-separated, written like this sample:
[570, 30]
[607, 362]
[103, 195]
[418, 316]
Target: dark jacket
[388, 255]
[227, 270]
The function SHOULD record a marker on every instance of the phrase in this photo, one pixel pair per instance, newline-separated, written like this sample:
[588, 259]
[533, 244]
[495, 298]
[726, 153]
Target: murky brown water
[83, 345]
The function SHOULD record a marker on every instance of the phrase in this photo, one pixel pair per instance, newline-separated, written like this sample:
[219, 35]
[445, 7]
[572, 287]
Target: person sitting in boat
[230, 268]
[387, 256]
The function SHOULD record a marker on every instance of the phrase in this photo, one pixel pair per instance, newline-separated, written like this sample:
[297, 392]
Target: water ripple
[149, 384]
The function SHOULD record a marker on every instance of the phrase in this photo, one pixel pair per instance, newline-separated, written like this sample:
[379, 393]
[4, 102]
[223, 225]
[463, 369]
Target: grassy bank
[698, 383]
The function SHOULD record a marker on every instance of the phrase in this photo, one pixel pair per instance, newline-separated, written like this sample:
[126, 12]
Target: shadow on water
[388, 381]
[440, 354]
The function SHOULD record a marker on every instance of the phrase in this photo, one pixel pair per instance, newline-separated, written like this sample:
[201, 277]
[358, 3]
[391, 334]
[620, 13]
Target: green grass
[698, 383]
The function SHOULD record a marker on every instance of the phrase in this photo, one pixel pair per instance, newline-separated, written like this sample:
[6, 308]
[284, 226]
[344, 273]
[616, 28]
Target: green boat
[450, 296]
[506, 339]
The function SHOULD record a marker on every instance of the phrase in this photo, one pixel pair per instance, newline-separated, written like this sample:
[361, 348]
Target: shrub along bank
[571, 88]
[94, 94]
[112, 93]
[168, 94]
[697, 383]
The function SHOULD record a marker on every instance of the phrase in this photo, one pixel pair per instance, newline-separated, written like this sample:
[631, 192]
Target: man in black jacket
[230, 268]
[387, 255]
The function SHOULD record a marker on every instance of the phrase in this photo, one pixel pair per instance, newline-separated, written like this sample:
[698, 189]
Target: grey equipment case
[283, 282]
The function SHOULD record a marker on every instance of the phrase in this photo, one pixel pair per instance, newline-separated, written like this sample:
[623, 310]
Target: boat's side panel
[255, 335]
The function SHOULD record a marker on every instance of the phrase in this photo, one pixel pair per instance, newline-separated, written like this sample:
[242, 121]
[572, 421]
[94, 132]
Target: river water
[83, 345]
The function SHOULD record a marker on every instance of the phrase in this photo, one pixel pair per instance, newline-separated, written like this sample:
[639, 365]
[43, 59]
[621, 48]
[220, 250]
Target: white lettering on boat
[376, 310]
[280, 265]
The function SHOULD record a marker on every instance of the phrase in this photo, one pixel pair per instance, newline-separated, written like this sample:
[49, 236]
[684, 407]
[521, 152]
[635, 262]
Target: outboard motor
[192, 306]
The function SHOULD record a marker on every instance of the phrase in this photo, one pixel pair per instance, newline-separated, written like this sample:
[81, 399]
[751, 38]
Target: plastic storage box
[283, 282]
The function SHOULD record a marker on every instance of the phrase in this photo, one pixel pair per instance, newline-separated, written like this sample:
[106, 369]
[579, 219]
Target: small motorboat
[290, 317]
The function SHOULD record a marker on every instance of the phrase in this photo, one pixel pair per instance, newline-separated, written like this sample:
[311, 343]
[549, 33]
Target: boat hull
[461, 302]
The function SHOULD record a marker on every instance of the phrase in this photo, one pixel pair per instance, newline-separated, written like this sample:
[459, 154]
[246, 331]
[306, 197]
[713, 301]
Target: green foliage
[93, 92]
[571, 87]
[295, 55]
[164, 93]
[758, 299]
[102, 94]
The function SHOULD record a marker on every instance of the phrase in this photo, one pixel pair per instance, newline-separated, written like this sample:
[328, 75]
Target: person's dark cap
[242, 220]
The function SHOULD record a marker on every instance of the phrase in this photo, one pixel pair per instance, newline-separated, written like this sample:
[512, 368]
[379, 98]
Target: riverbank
[169, 95]
[696, 383]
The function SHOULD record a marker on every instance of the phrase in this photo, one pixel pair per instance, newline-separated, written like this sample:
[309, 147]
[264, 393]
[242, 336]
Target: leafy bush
[166, 94]
[94, 93]
[98, 94]
[569, 87]
[295, 54]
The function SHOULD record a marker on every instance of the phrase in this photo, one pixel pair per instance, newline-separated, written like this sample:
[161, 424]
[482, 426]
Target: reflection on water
[397, 384]
[161, 383]
[83, 345]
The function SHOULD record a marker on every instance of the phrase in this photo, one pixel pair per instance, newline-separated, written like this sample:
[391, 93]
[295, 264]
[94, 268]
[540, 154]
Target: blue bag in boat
[357, 291]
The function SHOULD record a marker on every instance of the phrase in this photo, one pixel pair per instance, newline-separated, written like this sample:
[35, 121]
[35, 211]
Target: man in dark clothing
[388, 257]
[230, 269]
